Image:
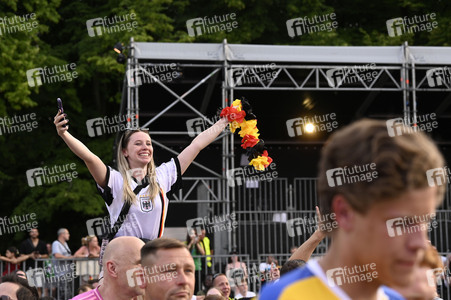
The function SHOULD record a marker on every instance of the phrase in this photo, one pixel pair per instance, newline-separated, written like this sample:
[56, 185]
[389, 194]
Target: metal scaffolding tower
[402, 69]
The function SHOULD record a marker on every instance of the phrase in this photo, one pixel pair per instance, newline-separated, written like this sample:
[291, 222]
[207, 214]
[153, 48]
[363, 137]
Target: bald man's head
[9, 289]
[120, 247]
[122, 255]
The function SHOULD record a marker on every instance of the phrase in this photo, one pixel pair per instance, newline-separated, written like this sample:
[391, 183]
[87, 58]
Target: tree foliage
[60, 37]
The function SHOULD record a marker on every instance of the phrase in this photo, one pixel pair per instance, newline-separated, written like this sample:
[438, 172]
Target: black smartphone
[60, 107]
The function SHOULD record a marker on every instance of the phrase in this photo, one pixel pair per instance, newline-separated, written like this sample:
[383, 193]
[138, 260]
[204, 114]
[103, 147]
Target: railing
[61, 278]
[58, 278]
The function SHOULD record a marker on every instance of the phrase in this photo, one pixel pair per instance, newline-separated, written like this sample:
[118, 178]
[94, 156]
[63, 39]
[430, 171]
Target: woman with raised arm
[138, 182]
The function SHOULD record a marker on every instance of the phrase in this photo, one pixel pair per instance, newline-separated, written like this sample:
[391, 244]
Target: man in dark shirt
[34, 244]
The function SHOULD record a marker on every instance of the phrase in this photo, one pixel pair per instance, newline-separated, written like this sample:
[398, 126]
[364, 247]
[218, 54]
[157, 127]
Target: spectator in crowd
[20, 274]
[84, 288]
[429, 270]
[139, 184]
[291, 265]
[49, 249]
[221, 283]
[243, 291]
[90, 247]
[15, 291]
[266, 266]
[93, 282]
[274, 273]
[25, 291]
[168, 257]
[392, 186]
[60, 248]
[265, 269]
[13, 260]
[208, 283]
[121, 255]
[213, 291]
[235, 271]
[205, 242]
[196, 249]
[81, 251]
[293, 249]
[61, 265]
[34, 245]
[235, 265]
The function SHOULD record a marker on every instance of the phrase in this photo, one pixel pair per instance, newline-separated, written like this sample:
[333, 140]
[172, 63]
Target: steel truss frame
[302, 76]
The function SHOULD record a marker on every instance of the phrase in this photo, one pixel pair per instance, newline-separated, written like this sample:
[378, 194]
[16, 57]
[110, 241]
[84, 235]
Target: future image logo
[411, 25]
[348, 275]
[412, 224]
[107, 125]
[351, 174]
[337, 77]
[258, 74]
[49, 175]
[317, 123]
[53, 74]
[210, 25]
[211, 225]
[307, 226]
[135, 277]
[400, 126]
[308, 25]
[238, 176]
[197, 125]
[438, 77]
[99, 26]
[13, 24]
[438, 176]
[150, 74]
[103, 226]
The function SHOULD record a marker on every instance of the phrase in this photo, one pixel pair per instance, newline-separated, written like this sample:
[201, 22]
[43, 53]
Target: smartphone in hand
[60, 107]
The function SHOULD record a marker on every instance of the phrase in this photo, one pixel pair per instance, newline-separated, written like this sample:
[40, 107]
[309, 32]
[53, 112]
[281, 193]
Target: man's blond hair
[401, 163]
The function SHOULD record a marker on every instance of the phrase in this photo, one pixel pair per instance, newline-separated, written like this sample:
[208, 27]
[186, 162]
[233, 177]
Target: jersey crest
[146, 203]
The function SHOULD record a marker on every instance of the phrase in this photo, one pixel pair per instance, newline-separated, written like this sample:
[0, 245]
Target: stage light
[308, 103]
[309, 128]
[118, 48]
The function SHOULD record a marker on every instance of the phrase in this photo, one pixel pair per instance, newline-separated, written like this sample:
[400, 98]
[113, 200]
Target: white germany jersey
[145, 218]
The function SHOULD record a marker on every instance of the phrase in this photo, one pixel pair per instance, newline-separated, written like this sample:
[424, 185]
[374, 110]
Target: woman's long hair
[123, 166]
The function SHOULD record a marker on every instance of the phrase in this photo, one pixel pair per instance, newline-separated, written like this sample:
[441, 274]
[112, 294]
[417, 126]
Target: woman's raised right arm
[95, 165]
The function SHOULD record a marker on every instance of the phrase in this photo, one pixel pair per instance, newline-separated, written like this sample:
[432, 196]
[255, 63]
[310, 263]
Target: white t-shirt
[248, 295]
[145, 218]
[59, 248]
[63, 265]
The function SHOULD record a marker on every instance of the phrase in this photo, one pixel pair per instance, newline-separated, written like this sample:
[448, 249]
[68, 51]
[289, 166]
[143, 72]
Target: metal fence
[264, 213]
[57, 278]
[61, 278]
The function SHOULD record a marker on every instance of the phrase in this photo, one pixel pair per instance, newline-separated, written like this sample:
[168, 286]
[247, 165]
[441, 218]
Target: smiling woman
[138, 188]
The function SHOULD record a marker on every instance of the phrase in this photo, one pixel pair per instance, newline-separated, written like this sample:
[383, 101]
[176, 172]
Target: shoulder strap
[122, 215]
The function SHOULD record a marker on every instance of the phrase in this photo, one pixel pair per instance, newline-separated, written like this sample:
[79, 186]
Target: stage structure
[402, 69]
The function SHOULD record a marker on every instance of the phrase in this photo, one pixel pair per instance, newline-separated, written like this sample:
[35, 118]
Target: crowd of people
[54, 260]
[367, 258]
